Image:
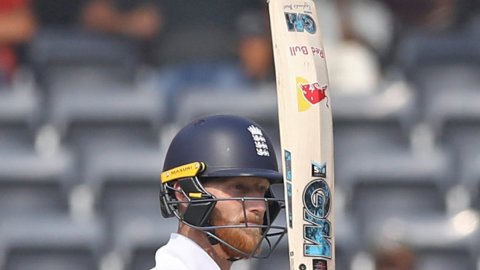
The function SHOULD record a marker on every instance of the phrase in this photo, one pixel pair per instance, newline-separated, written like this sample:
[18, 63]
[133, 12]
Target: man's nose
[257, 206]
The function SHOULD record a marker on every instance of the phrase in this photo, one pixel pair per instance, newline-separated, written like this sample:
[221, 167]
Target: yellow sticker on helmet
[195, 195]
[187, 170]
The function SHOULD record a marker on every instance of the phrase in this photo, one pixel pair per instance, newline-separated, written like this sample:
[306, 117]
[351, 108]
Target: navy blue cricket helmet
[228, 145]
[213, 147]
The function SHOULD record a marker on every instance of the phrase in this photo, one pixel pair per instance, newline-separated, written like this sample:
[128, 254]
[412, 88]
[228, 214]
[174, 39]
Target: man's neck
[214, 251]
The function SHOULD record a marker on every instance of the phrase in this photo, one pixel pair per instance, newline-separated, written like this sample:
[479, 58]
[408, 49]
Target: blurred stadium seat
[382, 119]
[19, 104]
[257, 104]
[137, 238]
[439, 242]
[63, 57]
[469, 176]
[125, 182]
[383, 183]
[195, 44]
[91, 78]
[452, 107]
[122, 104]
[444, 70]
[33, 184]
[51, 243]
[19, 118]
[92, 123]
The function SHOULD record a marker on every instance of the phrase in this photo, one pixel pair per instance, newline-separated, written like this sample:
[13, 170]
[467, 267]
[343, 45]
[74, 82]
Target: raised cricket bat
[306, 134]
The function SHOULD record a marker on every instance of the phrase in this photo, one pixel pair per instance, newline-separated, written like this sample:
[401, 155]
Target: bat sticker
[288, 165]
[319, 169]
[317, 203]
[289, 202]
[299, 22]
[319, 264]
[309, 94]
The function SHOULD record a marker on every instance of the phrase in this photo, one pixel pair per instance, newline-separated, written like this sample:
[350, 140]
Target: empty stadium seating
[438, 241]
[135, 239]
[125, 182]
[444, 70]
[51, 242]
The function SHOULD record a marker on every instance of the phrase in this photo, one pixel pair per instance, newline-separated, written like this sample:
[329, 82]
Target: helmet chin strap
[212, 240]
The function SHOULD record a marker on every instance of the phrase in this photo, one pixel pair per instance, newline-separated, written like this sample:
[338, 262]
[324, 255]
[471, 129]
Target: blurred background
[92, 91]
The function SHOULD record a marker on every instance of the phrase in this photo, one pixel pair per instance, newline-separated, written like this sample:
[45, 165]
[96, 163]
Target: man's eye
[240, 188]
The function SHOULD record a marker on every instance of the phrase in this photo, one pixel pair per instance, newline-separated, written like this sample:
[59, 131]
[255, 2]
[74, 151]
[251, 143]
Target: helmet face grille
[198, 210]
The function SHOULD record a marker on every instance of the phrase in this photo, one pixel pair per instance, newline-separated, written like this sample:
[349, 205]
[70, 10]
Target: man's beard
[244, 239]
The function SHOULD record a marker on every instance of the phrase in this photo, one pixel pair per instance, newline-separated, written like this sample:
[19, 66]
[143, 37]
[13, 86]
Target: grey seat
[367, 125]
[87, 77]
[19, 115]
[135, 239]
[55, 53]
[51, 242]
[438, 241]
[444, 69]
[383, 184]
[33, 184]
[125, 184]
[19, 104]
[92, 122]
[469, 175]
[125, 181]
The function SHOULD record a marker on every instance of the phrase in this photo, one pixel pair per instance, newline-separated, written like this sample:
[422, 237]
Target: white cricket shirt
[181, 253]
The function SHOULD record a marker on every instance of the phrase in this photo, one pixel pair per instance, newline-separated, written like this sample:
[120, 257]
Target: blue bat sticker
[317, 203]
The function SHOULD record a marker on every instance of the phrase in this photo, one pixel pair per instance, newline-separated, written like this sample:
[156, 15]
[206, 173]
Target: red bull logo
[309, 94]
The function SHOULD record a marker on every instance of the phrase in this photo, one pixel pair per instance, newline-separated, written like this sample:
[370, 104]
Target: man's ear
[179, 194]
